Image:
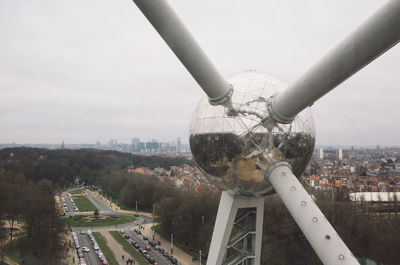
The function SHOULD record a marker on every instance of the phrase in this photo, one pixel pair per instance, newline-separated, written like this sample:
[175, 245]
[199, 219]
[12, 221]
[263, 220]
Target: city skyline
[103, 73]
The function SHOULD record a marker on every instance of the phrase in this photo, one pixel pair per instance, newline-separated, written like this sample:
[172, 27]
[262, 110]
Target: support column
[237, 232]
[323, 238]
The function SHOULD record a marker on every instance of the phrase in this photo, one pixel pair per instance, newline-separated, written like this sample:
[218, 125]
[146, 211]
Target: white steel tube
[323, 238]
[374, 37]
[185, 47]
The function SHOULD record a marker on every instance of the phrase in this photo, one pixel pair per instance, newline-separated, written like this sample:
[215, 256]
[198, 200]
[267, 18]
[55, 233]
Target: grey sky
[86, 71]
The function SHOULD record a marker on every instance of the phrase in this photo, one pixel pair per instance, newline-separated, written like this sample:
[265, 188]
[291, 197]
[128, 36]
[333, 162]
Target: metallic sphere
[234, 146]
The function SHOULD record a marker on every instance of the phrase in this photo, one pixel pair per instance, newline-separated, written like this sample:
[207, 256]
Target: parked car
[147, 248]
[145, 238]
[126, 236]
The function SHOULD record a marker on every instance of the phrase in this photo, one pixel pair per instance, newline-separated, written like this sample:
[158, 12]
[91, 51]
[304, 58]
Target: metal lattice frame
[237, 232]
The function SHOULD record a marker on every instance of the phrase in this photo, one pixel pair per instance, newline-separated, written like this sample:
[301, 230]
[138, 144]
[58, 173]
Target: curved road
[104, 209]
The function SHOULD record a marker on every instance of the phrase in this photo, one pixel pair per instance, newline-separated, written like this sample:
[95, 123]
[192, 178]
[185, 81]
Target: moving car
[85, 249]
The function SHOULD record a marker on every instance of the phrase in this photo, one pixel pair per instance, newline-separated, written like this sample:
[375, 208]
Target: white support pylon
[227, 217]
[323, 238]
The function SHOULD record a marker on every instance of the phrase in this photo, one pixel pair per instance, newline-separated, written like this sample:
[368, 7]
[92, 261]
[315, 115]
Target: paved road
[98, 203]
[105, 209]
[158, 257]
[90, 257]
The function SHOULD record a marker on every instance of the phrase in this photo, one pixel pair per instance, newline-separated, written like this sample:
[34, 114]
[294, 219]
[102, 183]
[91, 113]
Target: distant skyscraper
[141, 146]
[179, 145]
[340, 155]
[135, 142]
[321, 153]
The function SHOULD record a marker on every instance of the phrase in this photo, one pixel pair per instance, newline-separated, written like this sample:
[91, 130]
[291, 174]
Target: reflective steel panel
[235, 146]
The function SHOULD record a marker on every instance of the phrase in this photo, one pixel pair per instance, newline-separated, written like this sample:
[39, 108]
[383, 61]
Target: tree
[96, 213]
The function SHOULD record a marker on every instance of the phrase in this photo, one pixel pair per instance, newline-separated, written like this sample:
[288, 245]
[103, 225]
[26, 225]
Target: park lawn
[102, 242]
[102, 220]
[84, 205]
[78, 191]
[128, 248]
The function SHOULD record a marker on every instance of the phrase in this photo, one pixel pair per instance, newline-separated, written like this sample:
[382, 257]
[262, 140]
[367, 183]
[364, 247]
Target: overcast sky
[87, 71]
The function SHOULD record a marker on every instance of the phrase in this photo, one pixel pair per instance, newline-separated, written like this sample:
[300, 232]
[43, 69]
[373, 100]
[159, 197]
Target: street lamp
[200, 257]
[172, 244]
[154, 214]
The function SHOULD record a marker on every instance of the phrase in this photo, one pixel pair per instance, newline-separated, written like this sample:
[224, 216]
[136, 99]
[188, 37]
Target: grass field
[105, 249]
[128, 248]
[84, 205]
[102, 220]
[79, 191]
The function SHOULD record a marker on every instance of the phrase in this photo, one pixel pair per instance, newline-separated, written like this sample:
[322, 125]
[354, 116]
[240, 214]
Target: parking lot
[159, 258]
[67, 203]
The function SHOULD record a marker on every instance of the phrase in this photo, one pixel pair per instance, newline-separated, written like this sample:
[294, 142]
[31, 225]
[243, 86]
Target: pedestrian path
[116, 248]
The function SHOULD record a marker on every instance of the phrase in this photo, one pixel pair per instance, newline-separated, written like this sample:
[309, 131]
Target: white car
[85, 249]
